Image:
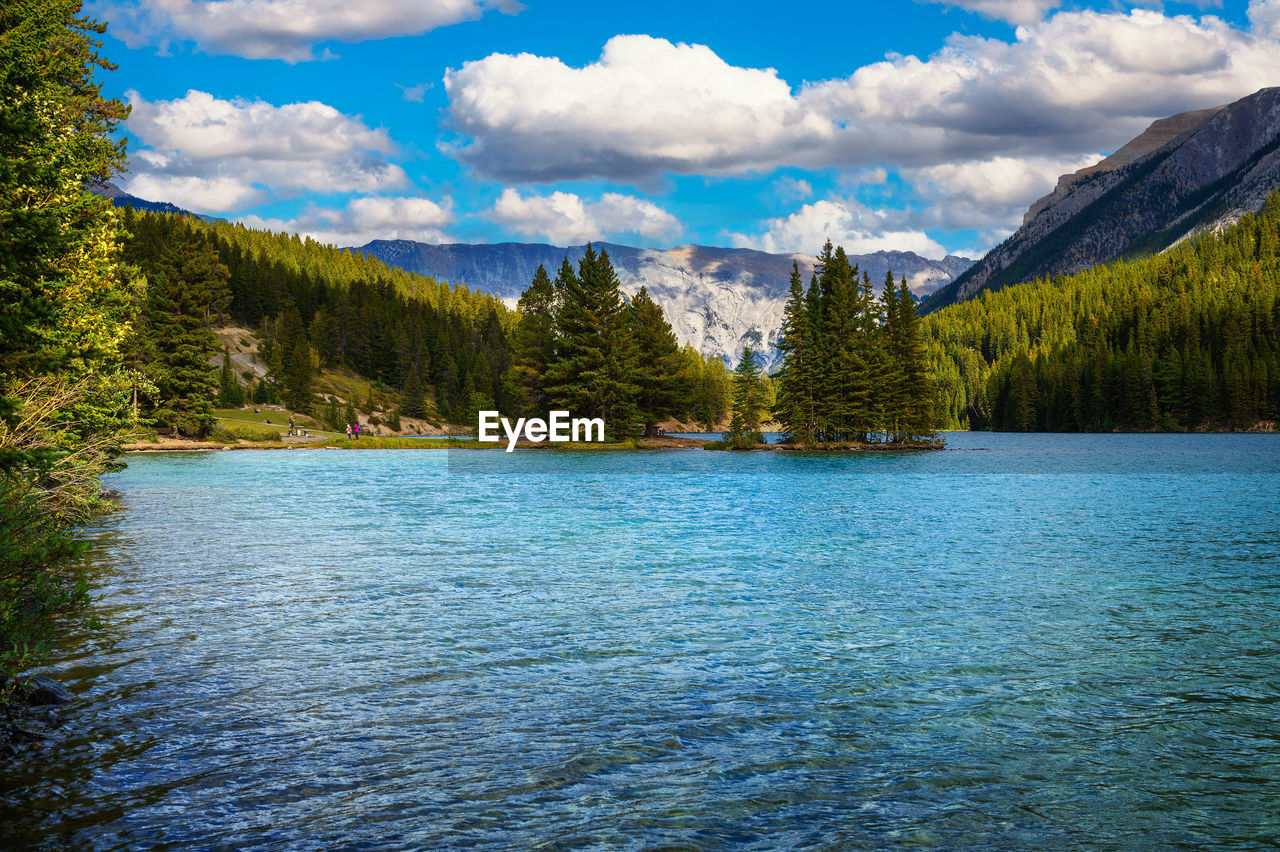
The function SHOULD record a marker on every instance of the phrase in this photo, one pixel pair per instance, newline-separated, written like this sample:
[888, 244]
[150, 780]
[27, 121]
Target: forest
[314, 306]
[1184, 340]
[854, 366]
[317, 307]
[580, 346]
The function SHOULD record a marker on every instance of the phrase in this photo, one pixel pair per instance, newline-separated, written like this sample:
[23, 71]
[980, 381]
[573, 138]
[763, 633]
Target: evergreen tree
[1183, 340]
[795, 402]
[748, 404]
[230, 393]
[534, 347]
[412, 401]
[660, 382]
[595, 367]
[181, 349]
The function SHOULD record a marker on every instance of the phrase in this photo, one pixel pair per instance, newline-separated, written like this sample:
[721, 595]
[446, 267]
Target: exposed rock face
[718, 299]
[1194, 171]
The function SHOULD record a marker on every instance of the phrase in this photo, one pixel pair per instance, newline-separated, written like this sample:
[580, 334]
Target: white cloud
[565, 218]
[995, 192]
[1075, 83]
[212, 154]
[792, 189]
[216, 193]
[865, 177]
[1013, 11]
[1264, 16]
[282, 29]
[365, 219]
[415, 94]
[648, 106]
[846, 223]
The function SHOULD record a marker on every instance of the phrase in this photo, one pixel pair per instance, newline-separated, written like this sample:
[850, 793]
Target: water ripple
[683, 650]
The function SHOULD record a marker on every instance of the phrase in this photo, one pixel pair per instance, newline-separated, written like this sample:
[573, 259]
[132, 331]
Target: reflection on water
[393, 650]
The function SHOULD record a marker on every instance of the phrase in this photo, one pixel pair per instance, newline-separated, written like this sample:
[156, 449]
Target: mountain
[1186, 174]
[717, 299]
[120, 198]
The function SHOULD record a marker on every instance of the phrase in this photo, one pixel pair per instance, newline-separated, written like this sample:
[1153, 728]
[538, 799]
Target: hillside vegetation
[1182, 340]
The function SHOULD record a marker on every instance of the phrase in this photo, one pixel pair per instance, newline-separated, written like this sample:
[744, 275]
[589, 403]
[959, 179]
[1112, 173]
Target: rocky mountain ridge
[1191, 172]
[718, 299]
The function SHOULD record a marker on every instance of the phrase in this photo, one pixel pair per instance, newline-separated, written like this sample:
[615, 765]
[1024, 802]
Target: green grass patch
[234, 430]
[266, 415]
[371, 443]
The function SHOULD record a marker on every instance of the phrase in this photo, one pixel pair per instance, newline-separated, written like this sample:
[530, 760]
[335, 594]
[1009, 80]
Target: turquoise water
[1021, 642]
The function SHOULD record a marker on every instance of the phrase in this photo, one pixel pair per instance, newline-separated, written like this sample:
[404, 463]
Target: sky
[912, 125]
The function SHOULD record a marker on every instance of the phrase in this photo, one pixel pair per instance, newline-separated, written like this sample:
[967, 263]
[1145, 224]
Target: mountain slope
[120, 198]
[717, 299]
[1194, 171]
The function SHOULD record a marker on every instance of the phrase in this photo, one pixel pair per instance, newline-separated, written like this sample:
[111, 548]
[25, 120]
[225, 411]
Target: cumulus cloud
[1077, 82]
[1264, 16]
[1012, 11]
[989, 193]
[365, 219]
[845, 222]
[213, 154]
[565, 218]
[646, 107]
[281, 29]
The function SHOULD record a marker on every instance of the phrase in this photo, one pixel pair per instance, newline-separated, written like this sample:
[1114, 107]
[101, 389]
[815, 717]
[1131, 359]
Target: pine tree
[230, 393]
[412, 401]
[658, 376]
[186, 384]
[913, 362]
[896, 404]
[595, 367]
[795, 379]
[748, 404]
[534, 346]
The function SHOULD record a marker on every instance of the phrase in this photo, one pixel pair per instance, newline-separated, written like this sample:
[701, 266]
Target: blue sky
[925, 126]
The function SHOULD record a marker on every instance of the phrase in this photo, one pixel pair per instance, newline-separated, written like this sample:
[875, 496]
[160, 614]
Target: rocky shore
[29, 708]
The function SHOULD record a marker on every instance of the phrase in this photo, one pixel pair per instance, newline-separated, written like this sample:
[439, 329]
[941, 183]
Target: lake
[1025, 641]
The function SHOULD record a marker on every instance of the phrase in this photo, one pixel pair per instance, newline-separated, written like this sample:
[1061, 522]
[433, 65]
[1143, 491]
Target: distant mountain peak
[120, 198]
[1190, 172]
[717, 299]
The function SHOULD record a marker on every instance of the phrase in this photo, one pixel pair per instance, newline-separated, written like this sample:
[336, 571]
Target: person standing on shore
[357, 430]
[348, 431]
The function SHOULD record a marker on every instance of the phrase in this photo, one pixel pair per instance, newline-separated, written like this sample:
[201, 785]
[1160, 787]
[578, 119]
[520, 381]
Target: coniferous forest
[854, 366]
[314, 307]
[580, 346]
[1185, 340]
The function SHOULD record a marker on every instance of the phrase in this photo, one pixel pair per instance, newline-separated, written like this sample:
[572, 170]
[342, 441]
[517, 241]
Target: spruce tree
[918, 389]
[230, 393]
[534, 344]
[661, 384]
[795, 378]
[748, 404]
[412, 400]
[595, 367]
[184, 380]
